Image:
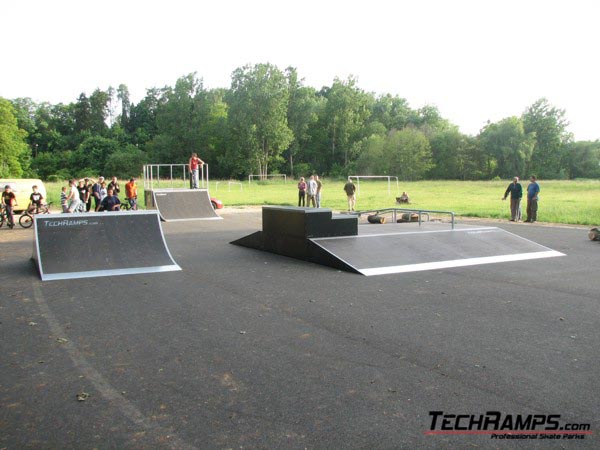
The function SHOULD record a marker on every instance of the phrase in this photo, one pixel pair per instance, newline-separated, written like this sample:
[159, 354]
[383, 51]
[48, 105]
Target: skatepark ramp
[312, 235]
[69, 246]
[181, 204]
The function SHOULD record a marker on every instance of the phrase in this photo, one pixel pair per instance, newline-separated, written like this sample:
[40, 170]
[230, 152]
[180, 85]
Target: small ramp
[183, 204]
[69, 246]
[381, 250]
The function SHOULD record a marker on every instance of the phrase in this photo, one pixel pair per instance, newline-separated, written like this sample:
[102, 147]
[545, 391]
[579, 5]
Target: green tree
[582, 159]
[408, 153]
[302, 113]
[14, 152]
[510, 146]
[345, 114]
[549, 125]
[258, 105]
[126, 163]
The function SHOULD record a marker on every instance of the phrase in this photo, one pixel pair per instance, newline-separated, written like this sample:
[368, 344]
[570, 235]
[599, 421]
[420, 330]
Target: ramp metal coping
[398, 233]
[104, 272]
[420, 212]
[149, 175]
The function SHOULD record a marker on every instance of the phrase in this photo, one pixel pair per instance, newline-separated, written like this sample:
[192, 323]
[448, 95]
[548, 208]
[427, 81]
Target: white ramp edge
[458, 263]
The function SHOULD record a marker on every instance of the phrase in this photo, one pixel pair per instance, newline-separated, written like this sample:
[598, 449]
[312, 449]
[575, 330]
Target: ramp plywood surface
[428, 249]
[100, 244]
[184, 204]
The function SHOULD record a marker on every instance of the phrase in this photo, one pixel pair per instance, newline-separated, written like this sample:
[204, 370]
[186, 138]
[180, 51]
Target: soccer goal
[385, 177]
[269, 176]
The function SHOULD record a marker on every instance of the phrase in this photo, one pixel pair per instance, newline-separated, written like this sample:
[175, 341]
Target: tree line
[269, 121]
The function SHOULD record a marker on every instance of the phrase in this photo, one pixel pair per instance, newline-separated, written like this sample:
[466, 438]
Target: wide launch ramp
[380, 251]
[182, 204]
[318, 236]
[71, 246]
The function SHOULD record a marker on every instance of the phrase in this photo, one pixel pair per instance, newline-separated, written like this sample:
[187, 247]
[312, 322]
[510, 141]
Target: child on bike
[9, 201]
[35, 201]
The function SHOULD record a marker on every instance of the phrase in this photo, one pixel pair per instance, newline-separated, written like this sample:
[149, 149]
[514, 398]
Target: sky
[475, 60]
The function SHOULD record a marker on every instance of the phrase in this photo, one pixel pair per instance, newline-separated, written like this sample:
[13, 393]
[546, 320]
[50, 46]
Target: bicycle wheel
[26, 221]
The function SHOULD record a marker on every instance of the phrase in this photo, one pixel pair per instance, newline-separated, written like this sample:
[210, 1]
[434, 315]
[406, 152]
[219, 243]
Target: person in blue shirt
[533, 192]
[109, 203]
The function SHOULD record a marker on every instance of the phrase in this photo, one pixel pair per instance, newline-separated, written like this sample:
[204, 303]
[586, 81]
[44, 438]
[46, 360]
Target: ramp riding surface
[184, 204]
[394, 248]
[100, 244]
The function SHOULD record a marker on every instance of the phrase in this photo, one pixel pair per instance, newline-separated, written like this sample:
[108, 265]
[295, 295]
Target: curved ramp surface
[428, 248]
[86, 245]
[184, 204]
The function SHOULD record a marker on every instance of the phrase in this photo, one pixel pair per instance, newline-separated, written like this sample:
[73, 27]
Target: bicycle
[26, 219]
[3, 216]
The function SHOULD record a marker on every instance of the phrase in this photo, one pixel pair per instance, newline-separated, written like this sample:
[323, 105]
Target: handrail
[420, 212]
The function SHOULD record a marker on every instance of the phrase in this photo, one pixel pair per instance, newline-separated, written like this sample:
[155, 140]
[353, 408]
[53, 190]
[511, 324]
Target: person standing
[114, 185]
[302, 192]
[9, 200]
[63, 199]
[96, 192]
[194, 164]
[311, 192]
[131, 193]
[89, 185]
[319, 188]
[83, 195]
[73, 196]
[533, 193]
[350, 190]
[516, 193]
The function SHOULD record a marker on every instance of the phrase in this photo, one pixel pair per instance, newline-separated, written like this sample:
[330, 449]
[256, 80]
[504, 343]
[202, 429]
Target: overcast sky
[476, 60]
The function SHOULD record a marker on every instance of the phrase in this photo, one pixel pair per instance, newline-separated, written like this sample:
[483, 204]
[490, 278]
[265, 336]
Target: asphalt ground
[245, 349]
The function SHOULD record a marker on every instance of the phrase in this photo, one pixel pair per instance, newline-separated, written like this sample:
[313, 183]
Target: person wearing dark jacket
[516, 194]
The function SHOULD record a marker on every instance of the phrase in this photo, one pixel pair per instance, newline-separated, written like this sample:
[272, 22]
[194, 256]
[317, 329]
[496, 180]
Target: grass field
[570, 202]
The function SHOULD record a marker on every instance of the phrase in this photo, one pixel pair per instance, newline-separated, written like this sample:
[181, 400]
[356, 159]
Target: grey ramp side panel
[293, 247]
[84, 245]
[409, 252]
[184, 204]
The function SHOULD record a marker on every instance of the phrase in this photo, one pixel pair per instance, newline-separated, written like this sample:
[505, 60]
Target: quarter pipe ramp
[84, 245]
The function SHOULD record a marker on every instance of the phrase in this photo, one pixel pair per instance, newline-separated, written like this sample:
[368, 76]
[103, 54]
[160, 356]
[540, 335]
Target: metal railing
[163, 176]
[394, 213]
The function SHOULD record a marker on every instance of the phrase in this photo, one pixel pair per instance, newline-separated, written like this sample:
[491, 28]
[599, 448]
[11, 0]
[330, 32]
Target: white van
[23, 189]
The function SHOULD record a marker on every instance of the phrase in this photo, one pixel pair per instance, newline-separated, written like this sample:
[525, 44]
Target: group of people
[9, 201]
[310, 193]
[79, 195]
[516, 194]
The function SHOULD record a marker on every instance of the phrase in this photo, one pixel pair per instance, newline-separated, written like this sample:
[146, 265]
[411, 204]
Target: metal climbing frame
[172, 176]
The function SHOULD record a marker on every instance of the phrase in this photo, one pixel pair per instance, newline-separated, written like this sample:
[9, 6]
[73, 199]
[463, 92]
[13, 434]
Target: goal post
[389, 179]
[268, 176]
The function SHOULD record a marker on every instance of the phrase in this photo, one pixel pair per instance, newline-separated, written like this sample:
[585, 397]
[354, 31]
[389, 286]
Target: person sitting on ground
[403, 198]
[109, 203]
[131, 193]
[35, 201]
